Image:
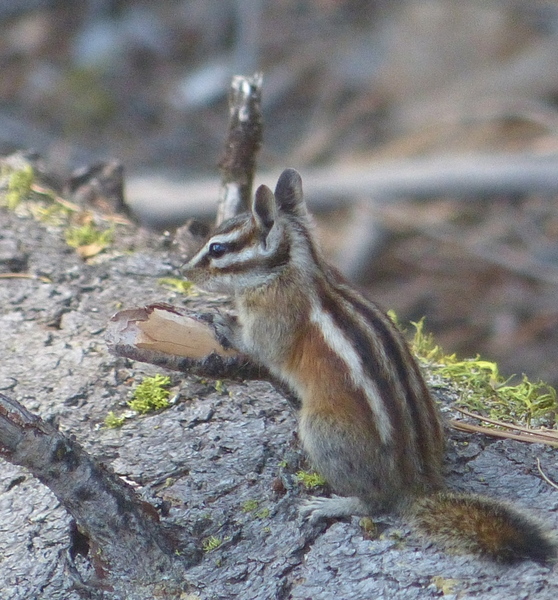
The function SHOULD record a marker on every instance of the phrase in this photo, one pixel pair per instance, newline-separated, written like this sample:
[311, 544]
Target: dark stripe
[279, 258]
[421, 406]
[239, 244]
[405, 443]
[309, 243]
[232, 224]
[203, 263]
[422, 411]
[361, 341]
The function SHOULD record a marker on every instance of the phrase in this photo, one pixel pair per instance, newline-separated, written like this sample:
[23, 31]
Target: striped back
[405, 415]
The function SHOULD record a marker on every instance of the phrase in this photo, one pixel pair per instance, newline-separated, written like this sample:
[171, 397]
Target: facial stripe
[235, 241]
[256, 265]
[234, 225]
[240, 257]
[247, 253]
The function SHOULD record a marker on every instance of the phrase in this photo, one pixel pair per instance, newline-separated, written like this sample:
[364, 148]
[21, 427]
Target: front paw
[226, 329]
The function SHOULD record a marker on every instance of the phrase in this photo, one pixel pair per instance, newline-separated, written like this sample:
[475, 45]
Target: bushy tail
[465, 523]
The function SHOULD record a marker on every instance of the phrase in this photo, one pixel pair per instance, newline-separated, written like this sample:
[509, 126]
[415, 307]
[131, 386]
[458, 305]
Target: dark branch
[125, 535]
[243, 141]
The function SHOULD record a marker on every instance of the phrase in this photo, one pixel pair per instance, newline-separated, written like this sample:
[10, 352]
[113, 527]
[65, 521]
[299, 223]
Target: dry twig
[545, 476]
[524, 434]
[24, 276]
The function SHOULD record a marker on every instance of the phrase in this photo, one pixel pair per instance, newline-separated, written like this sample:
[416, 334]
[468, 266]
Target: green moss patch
[482, 389]
[151, 394]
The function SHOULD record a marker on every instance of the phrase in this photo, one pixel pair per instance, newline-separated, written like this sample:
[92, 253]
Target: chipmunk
[367, 420]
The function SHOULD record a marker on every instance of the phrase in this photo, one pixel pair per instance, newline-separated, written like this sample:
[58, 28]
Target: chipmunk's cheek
[196, 276]
[208, 281]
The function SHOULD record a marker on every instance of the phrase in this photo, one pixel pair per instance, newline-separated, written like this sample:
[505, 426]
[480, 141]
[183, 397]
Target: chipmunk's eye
[216, 249]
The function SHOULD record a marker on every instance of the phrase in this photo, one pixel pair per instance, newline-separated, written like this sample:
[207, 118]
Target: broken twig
[244, 139]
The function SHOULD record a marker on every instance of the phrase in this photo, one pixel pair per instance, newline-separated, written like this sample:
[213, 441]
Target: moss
[183, 286]
[483, 389]
[220, 387]
[445, 585]
[310, 480]
[45, 206]
[211, 543]
[369, 528]
[87, 235]
[50, 214]
[21, 192]
[250, 506]
[262, 514]
[19, 182]
[113, 421]
[151, 394]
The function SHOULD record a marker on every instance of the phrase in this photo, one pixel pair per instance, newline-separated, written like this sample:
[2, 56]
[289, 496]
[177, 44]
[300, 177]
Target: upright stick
[244, 139]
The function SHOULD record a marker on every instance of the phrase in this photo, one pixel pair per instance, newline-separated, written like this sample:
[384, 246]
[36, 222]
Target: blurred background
[347, 84]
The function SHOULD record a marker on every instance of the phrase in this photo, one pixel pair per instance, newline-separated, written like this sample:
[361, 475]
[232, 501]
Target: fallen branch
[183, 340]
[161, 199]
[127, 543]
[177, 339]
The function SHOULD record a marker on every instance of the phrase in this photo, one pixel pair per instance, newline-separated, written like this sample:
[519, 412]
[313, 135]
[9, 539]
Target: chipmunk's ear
[288, 193]
[264, 208]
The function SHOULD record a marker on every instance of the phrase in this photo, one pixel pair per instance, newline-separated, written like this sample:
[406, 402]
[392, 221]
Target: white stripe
[231, 258]
[223, 238]
[342, 347]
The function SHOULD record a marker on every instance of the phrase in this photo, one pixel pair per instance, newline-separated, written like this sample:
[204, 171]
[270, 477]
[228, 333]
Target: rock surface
[222, 460]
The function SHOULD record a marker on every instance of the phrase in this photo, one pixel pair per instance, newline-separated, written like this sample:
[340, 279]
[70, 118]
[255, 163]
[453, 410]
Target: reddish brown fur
[320, 374]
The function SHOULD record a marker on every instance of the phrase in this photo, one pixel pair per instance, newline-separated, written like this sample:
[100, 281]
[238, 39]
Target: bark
[219, 464]
[122, 533]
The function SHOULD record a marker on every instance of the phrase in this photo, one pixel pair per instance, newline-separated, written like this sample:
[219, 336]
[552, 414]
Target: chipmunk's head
[251, 249]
